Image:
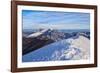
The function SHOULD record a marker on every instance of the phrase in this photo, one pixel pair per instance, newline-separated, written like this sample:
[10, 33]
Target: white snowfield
[79, 49]
[37, 33]
[83, 45]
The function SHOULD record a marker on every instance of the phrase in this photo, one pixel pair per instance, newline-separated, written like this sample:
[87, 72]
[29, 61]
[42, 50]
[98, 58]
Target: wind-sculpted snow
[67, 49]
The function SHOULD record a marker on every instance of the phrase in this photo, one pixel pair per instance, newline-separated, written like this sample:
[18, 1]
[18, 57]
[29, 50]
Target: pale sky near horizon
[55, 20]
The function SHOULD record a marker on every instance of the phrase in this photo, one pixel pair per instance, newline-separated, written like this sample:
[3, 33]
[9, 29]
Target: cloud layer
[55, 20]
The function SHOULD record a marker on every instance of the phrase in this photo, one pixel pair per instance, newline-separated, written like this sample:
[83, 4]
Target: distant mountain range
[44, 37]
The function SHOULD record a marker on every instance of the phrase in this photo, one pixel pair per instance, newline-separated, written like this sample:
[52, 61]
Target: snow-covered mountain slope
[67, 49]
[49, 34]
[83, 44]
[37, 33]
[78, 49]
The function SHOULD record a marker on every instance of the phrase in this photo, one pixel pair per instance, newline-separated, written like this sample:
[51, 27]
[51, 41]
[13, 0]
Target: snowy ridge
[78, 49]
[37, 33]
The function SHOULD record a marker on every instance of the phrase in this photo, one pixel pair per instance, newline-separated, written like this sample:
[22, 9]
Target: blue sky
[55, 20]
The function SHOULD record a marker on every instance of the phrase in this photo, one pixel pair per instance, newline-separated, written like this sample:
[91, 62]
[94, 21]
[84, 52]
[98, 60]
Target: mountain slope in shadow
[31, 44]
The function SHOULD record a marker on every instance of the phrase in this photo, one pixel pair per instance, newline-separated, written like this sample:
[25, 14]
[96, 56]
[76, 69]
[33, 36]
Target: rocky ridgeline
[56, 35]
[53, 35]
